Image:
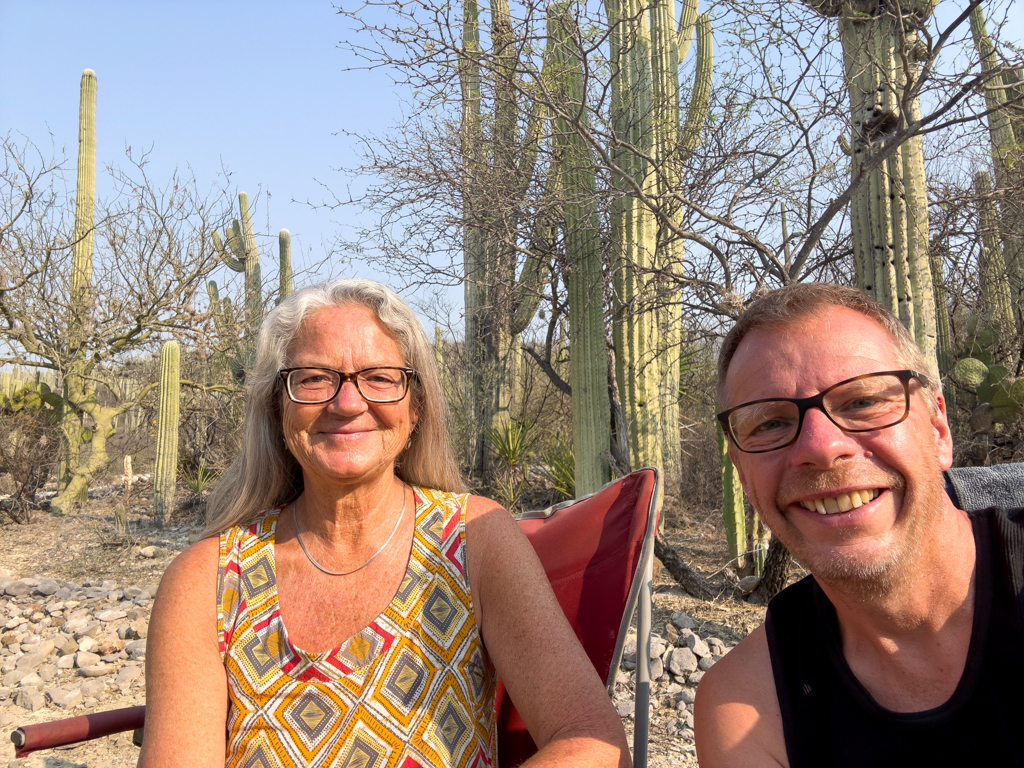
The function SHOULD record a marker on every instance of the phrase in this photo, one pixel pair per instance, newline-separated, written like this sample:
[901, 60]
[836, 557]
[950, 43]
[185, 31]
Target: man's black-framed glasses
[310, 386]
[861, 404]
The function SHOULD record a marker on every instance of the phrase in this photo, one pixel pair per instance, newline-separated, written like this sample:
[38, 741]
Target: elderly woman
[351, 606]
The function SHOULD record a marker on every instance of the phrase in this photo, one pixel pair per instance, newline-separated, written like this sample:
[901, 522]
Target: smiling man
[905, 645]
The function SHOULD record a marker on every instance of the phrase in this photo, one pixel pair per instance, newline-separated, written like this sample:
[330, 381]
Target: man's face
[898, 469]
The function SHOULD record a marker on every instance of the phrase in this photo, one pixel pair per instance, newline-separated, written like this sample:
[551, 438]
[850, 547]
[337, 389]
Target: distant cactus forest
[610, 185]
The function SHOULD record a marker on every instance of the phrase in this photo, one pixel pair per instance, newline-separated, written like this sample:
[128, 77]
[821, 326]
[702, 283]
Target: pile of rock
[679, 658]
[68, 646]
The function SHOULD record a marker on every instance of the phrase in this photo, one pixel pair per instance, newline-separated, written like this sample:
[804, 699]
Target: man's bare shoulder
[736, 714]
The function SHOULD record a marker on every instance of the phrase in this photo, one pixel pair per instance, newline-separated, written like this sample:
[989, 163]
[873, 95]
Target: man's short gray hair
[800, 300]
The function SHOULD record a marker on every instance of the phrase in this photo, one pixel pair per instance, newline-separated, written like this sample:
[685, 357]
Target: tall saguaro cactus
[882, 52]
[239, 253]
[165, 473]
[591, 414]
[1006, 142]
[995, 289]
[81, 280]
[496, 176]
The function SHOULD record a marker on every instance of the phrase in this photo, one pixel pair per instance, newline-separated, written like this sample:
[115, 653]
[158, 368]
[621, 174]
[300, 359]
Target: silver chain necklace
[398, 522]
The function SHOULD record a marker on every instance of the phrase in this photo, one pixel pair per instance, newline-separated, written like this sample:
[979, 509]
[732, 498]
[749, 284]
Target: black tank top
[829, 718]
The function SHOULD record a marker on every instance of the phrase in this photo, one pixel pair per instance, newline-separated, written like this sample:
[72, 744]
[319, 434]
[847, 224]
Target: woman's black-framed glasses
[861, 404]
[311, 386]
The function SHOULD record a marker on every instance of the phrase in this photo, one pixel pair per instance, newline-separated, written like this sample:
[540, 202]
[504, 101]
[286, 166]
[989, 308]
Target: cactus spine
[166, 469]
[591, 414]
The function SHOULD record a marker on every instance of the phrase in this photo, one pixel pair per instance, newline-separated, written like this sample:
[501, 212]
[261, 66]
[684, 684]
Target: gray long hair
[265, 473]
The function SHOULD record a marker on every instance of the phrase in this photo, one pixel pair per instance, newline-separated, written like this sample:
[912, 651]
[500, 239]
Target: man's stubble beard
[857, 575]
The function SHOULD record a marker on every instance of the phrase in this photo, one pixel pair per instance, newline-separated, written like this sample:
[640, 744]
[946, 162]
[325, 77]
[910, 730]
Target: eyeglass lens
[873, 402]
[318, 385]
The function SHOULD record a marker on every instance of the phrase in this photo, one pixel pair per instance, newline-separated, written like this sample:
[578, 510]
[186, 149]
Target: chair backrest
[596, 552]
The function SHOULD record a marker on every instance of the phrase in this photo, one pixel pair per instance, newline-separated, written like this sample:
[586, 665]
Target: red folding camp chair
[597, 552]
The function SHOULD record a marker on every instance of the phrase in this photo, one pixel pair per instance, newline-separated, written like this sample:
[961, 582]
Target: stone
[30, 699]
[31, 660]
[629, 649]
[657, 668]
[688, 695]
[47, 672]
[136, 649]
[93, 688]
[673, 689]
[681, 661]
[111, 614]
[132, 592]
[148, 552]
[69, 647]
[65, 699]
[694, 678]
[97, 670]
[681, 708]
[110, 644]
[66, 662]
[92, 630]
[6, 720]
[75, 623]
[696, 644]
[19, 588]
[748, 584]
[624, 708]
[658, 647]
[62, 594]
[108, 585]
[31, 680]
[671, 633]
[682, 621]
[88, 644]
[705, 662]
[47, 587]
[86, 659]
[14, 677]
[126, 675]
[138, 629]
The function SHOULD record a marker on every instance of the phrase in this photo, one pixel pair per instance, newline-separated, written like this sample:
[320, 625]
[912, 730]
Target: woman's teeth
[842, 503]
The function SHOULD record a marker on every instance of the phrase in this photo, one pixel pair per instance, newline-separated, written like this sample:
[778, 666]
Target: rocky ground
[76, 594]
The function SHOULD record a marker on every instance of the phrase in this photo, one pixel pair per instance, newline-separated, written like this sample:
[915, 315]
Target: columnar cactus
[165, 474]
[674, 141]
[634, 231]
[882, 51]
[284, 284]
[81, 281]
[1005, 156]
[995, 289]
[501, 166]
[240, 255]
[238, 252]
[591, 414]
[733, 513]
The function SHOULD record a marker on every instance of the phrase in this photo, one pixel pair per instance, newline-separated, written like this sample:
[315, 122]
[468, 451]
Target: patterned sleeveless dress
[414, 689]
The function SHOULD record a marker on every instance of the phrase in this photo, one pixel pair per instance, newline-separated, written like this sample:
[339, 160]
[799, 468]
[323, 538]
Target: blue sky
[257, 88]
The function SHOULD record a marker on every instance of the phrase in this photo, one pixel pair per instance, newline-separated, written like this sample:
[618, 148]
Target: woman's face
[347, 440]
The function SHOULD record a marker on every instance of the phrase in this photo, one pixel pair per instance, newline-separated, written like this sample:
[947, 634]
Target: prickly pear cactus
[166, 469]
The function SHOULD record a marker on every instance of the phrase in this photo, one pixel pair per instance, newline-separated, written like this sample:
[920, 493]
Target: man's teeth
[842, 503]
